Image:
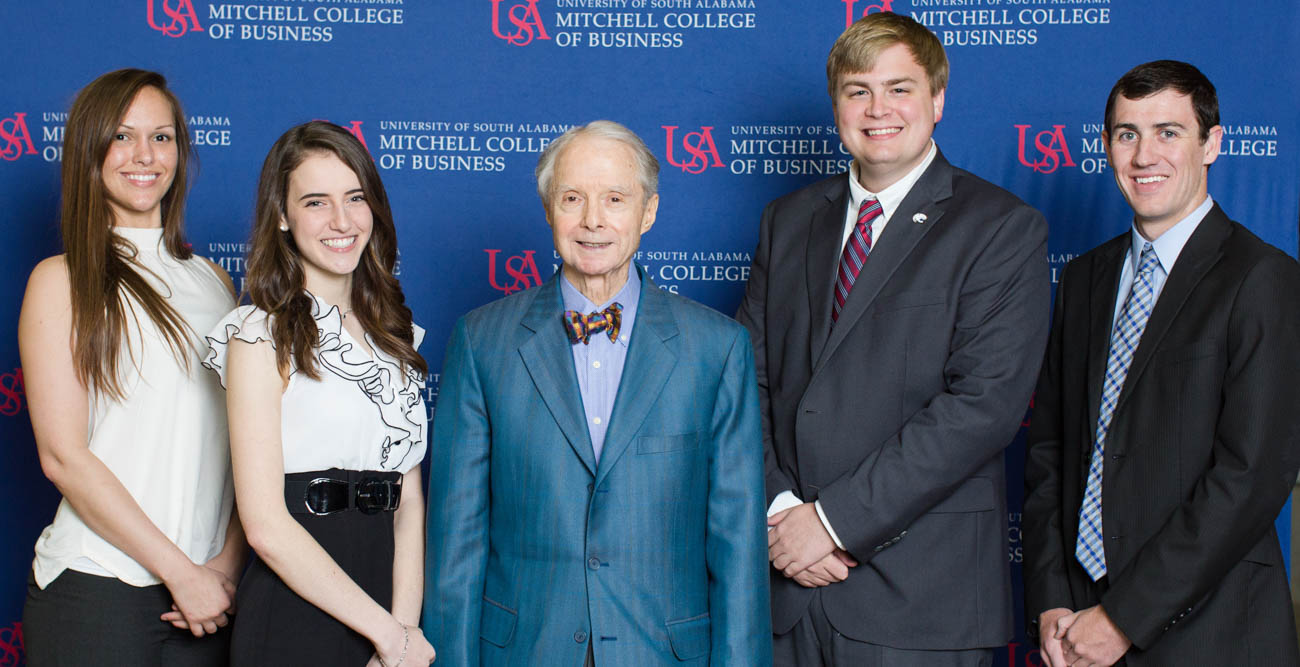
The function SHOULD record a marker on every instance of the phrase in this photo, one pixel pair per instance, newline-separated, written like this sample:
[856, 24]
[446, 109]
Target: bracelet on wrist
[406, 644]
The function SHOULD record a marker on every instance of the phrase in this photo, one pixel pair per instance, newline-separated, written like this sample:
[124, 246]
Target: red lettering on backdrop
[699, 144]
[1051, 145]
[13, 394]
[181, 18]
[355, 129]
[1032, 657]
[522, 268]
[850, 16]
[13, 132]
[524, 17]
[11, 645]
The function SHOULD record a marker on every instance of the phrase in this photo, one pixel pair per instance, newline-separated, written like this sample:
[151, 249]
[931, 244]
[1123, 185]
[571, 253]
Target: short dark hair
[1150, 78]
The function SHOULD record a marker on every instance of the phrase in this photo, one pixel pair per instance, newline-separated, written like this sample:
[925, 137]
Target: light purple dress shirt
[599, 364]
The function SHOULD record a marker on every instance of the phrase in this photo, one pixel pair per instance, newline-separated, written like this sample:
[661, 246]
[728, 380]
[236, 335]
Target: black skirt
[275, 626]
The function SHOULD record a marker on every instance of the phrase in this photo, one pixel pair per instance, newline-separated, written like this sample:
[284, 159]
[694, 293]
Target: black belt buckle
[377, 495]
[325, 496]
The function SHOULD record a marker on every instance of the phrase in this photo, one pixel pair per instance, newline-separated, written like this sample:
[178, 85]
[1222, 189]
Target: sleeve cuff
[825, 523]
[782, 502]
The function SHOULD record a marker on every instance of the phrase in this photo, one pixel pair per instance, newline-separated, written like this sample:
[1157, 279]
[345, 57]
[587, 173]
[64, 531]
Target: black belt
[332, 491]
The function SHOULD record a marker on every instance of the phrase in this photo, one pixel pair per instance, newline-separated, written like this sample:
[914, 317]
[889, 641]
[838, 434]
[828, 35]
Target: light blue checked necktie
[1123, 341]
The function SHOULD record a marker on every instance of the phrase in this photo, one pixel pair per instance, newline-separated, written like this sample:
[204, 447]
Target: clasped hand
[202, 600]
[799, 546]
[1083, 638]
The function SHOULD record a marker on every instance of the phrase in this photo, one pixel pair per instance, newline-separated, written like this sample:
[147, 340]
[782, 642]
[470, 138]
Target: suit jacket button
[593, 563]
[580, 637]
[590, 488]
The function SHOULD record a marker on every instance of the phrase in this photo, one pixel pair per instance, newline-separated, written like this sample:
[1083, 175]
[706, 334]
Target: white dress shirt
[890, 198]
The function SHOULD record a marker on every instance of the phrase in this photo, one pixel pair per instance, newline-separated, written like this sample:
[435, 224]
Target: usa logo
[13, 393]
[355, 129]
[853, 13]
[1052, 150]
[525, 19]
[15, 140]
[11, 645]
[699, 145]
[180, 17]
[522, 270]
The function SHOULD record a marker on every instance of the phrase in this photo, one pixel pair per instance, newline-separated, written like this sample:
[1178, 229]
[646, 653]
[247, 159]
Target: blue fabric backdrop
[455, 100]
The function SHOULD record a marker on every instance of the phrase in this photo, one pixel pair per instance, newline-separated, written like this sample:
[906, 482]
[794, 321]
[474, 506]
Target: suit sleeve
[753, 314]
[1256, 443]
[993, 360]
[458, 507]
[1046, 555]
[736, 544]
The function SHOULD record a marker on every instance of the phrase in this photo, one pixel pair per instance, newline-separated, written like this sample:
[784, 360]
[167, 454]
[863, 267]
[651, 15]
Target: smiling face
[141, 160]
[1160, 162]
[886, 116]
[329, 218]
[597, 213]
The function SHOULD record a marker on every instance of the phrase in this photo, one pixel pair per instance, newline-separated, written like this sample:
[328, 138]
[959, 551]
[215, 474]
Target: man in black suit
[1165, 431]
[898, 314]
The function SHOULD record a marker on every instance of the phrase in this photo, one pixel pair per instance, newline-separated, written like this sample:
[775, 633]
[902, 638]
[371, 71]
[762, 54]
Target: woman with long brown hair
[327, 421]
[146, 532]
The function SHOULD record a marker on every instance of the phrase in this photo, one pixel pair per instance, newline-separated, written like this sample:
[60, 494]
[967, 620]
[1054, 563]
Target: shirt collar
[1169, 244]
[629, 297]
[892, 196]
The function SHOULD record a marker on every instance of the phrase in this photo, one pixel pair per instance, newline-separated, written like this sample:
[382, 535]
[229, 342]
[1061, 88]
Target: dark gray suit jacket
[896, 418]
[1200, 456]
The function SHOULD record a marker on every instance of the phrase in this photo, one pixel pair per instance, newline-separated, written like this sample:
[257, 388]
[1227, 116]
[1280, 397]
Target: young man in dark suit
[1165, 432]
[898, 314]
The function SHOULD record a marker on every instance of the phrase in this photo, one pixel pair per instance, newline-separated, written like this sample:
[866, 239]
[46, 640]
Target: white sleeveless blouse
[364, 413]
[166, 442]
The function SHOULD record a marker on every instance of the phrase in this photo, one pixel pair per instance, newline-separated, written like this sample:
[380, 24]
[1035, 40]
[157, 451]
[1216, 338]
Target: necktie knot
[868, 211]
[1148, 262]
[581, 327]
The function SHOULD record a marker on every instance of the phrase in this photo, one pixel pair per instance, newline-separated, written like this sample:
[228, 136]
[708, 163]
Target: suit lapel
[650, 361]
[548, 356]
[1101, 310]
[892, 248]
[822, 263]
[1202, 251]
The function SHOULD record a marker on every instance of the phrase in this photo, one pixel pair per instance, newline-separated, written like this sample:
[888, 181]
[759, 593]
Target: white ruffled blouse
[363, 413]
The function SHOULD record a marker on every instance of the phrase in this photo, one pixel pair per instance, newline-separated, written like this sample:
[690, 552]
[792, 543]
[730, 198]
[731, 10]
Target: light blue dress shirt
[599, 364]
[1168, 246]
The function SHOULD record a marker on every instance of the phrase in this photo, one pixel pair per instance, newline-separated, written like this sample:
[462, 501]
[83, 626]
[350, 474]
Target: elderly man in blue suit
[596, 484]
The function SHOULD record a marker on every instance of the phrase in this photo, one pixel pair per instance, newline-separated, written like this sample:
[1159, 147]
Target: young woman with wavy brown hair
[127, 425]
[327, 422]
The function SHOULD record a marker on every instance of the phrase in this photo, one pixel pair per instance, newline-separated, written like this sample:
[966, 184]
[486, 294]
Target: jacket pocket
[497, 623]
[689, 637]
[910, 299]
[654, 444]
[1191, 352]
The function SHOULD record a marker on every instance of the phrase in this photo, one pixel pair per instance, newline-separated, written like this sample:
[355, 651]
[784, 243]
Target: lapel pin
[919, 218]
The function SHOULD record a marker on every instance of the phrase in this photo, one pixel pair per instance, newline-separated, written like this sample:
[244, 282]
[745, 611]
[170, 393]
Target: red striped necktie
[855, 254]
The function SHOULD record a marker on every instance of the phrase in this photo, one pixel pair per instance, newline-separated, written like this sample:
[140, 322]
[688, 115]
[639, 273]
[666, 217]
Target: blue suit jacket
[657, 555]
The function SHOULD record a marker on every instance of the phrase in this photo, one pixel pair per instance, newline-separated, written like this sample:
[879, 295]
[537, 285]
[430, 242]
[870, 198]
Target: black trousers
[814, 642]
[82, 619]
